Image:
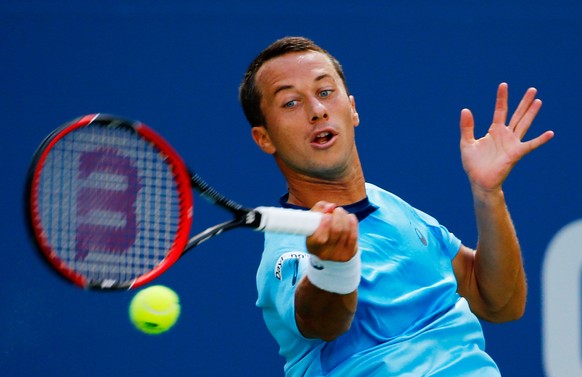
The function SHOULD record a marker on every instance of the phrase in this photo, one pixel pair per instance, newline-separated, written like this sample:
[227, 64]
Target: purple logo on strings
[106, 203]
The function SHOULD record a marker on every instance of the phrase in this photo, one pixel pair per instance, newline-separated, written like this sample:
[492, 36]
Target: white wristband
[335, 277]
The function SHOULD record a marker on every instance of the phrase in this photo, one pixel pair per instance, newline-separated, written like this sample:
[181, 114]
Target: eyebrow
[286, 87]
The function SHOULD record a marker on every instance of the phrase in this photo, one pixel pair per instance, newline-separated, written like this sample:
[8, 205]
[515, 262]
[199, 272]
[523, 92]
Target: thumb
[467, 126]
[323, 206]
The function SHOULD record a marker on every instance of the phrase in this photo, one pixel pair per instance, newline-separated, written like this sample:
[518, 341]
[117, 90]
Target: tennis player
[381, 288]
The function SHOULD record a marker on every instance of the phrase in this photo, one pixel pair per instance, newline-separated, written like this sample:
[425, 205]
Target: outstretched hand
[489, 160]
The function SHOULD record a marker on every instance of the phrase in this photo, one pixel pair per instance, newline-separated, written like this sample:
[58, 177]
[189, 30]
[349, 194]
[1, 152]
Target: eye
[325, 93]
[290, 104]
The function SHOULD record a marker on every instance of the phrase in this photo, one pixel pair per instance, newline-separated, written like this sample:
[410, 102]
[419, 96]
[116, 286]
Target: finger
[524, 105]
[345, 236]
[317, 241]
[500, 113]
[352, 241]
[339, 225]
[336, 236]
[323, 206]
[534, 144]
[523, 125]
[467, 126]
[330, 226]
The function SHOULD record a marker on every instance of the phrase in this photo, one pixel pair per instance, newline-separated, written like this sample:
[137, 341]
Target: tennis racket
[110, 204]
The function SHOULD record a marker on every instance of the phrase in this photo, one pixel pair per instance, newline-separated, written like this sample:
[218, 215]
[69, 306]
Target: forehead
[290, 68]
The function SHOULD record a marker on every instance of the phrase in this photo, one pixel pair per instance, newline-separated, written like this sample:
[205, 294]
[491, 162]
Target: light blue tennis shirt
[410, 320]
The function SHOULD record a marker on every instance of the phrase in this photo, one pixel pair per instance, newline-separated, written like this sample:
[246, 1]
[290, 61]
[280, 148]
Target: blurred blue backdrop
[176, 65]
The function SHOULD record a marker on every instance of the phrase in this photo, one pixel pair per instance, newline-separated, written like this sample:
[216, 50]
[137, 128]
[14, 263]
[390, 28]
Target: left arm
[492, 278]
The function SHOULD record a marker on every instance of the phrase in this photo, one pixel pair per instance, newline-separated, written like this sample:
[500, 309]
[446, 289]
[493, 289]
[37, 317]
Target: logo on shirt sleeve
[289, 260]
[421, 237]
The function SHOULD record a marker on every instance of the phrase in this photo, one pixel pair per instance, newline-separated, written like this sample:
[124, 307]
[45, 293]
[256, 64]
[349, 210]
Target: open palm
[488, 160]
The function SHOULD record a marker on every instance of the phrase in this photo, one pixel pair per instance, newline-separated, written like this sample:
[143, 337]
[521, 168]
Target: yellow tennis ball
[155, 309]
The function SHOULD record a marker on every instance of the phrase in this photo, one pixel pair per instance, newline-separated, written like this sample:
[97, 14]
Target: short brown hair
[249, 95]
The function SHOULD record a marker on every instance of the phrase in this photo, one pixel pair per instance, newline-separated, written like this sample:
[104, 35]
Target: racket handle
[285, 220]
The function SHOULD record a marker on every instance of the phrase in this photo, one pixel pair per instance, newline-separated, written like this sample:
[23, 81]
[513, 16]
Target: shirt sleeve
[450, 244]
[282, 265]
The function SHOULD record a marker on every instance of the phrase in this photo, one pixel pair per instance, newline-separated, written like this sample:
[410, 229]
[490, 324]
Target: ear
[262, 139]
[355, 115]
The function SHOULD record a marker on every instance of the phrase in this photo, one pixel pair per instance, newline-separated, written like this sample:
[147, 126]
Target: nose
[318, 111]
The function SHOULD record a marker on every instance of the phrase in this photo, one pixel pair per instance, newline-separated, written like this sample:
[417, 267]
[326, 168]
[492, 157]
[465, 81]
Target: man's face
[309, 117]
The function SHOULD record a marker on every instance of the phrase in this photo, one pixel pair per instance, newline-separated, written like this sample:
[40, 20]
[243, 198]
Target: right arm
[319, 313]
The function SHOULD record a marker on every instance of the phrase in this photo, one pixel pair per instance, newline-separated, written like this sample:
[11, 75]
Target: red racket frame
[182, 178]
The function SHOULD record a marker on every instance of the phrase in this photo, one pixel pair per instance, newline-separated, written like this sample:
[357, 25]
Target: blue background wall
[176, 65]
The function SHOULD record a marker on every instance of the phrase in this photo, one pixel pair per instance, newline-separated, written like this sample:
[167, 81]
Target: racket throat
[242, 220]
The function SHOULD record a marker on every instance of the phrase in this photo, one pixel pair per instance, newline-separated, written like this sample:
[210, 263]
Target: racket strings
[108, 203]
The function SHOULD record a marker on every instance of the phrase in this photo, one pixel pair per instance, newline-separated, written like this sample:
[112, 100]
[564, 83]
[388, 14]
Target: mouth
[322, 138]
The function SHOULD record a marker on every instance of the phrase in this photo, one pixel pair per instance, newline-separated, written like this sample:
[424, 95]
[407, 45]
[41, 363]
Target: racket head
[109, 202]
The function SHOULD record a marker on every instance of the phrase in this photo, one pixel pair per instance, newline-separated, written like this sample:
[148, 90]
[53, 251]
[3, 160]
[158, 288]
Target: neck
[306, 190]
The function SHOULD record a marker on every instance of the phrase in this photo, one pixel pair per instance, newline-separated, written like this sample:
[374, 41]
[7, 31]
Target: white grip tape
[335, 277]
[285, 220]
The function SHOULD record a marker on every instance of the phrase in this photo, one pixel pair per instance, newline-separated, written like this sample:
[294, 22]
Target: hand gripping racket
[110, 204]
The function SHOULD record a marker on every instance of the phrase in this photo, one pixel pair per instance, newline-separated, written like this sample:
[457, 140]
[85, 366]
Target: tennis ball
[155, 309]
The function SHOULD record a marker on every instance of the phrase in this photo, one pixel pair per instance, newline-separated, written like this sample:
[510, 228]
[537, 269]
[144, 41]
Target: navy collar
[361, 209]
